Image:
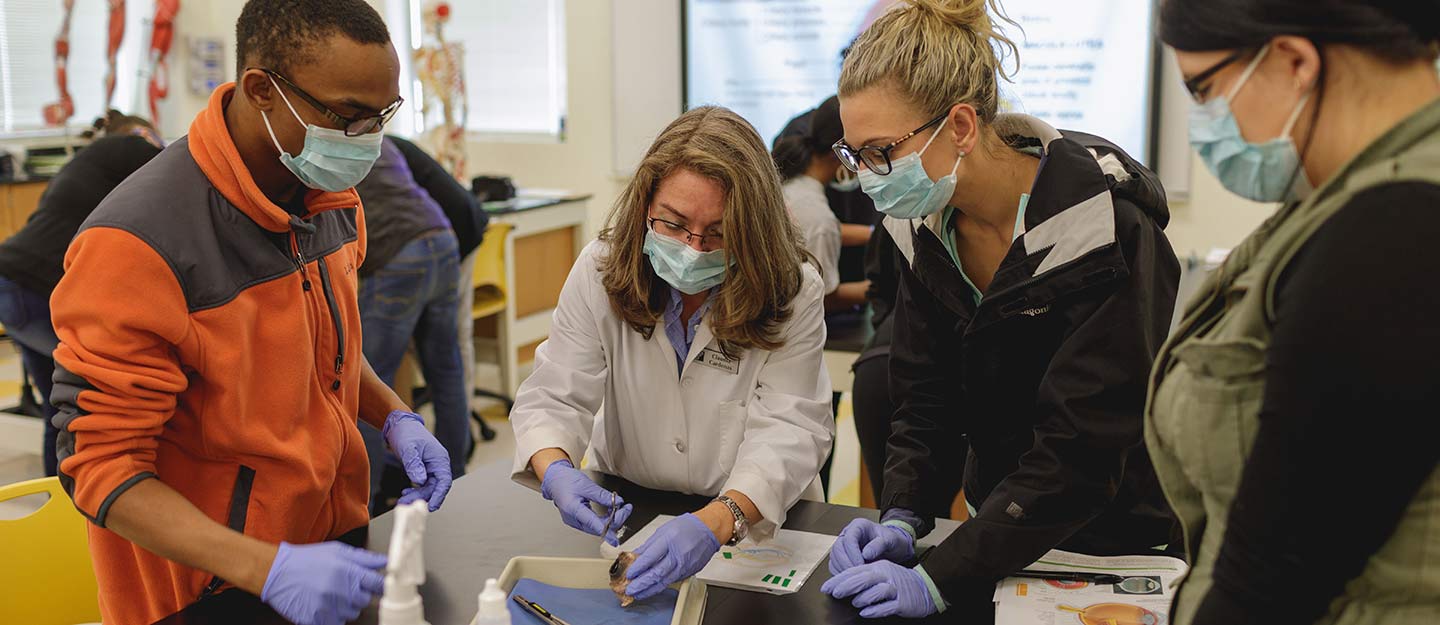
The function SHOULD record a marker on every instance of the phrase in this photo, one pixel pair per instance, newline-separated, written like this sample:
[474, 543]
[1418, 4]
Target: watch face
[742, 530]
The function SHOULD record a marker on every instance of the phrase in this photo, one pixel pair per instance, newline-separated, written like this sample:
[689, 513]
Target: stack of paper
[1142, 597]
[778, 566]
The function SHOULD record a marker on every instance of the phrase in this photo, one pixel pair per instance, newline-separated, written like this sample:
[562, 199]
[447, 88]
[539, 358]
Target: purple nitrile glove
[678, 550]
[883, 589]
[864, 541]
[572, 492]
[323, 584]
[426, 462]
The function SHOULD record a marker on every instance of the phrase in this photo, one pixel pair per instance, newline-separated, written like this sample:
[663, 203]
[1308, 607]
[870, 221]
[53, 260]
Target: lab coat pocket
[731, 418]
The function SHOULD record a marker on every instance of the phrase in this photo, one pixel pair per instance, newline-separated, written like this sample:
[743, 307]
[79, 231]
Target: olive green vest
[1208, 383]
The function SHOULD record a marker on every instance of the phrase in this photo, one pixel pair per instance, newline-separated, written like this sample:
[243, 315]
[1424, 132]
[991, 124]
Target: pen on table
[1065, 576]
[534, 608]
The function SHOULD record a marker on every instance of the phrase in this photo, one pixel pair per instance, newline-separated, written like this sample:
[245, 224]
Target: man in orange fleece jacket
[209, 375]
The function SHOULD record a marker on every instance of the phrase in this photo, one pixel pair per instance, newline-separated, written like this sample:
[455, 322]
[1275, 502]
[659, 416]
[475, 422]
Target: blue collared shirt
[681, 338]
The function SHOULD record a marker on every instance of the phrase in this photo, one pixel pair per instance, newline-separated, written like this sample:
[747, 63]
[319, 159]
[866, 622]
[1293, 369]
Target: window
[27, 61]
[514, 61]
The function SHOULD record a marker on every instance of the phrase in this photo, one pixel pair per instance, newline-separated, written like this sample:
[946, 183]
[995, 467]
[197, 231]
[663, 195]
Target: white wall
[584, 160]
[624, 87]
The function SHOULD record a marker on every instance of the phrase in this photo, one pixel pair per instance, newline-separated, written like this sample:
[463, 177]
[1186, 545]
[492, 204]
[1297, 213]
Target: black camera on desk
[492, 188]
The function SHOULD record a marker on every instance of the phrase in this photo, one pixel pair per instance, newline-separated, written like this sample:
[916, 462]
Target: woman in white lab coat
[697, 322]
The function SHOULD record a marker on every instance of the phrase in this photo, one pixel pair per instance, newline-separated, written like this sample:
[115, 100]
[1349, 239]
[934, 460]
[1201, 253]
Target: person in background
[807, 165]
[409, 289]
[1036, 286]
[697, 323]
[1292, 415]
[31, 260]
[209, 375]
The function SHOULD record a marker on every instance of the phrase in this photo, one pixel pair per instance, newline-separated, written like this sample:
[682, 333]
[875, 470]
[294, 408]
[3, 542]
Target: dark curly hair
[280, 34]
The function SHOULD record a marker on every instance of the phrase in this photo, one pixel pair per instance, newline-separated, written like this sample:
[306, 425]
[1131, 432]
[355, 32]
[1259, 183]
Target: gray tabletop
[488, 519]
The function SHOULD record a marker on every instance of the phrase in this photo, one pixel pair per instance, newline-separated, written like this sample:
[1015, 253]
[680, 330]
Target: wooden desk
[488, 519]
[547, 237]
[18, 200]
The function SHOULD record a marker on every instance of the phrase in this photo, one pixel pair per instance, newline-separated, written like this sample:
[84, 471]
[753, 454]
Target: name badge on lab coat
[715, 359]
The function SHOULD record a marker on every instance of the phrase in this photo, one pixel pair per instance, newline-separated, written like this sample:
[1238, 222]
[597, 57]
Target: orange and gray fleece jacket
[210, 340]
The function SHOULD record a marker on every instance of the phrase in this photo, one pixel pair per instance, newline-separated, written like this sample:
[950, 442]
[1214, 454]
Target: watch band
[742, 526]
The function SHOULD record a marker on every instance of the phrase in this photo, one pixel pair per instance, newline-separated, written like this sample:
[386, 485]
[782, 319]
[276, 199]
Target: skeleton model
[56, 113]
[401, 603]
[440, 65]
[163, 34]
[112, 46]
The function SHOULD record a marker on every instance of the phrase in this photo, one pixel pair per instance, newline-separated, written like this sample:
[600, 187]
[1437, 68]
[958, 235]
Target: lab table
[488, 519]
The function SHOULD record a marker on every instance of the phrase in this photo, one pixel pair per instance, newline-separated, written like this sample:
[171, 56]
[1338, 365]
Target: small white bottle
[493, 608]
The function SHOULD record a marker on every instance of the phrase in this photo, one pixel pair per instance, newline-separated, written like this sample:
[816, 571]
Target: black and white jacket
[1046, 376]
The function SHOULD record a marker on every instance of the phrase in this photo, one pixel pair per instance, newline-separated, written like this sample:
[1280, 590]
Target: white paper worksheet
[778, 566]
[1142, 597]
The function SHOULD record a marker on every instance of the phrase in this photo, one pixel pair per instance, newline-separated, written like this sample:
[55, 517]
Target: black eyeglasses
[876, 159]
[1198, 85]
[676, 231]
[353, 126]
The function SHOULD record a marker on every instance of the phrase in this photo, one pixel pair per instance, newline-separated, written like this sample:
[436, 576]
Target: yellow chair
[490, 289]
[45, 573]
[489, 273]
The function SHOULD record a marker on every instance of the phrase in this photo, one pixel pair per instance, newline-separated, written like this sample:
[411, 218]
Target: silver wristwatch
[742, 526]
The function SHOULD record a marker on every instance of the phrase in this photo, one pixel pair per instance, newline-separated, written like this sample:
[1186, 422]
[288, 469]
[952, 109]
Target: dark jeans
[415, 296]
[875, 409]
[26, 315]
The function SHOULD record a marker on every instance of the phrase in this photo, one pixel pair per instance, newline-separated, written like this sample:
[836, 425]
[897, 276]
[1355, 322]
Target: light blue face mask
[1263, 172]
[908, 192]
[686, 269]
[330, 161]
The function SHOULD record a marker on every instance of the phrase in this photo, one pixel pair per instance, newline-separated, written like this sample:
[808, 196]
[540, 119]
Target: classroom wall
[608, 134]
[1211, 217]
[615, 110]
[583, 160]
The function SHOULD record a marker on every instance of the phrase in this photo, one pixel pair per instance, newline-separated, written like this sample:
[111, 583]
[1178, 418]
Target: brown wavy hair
[761, 284]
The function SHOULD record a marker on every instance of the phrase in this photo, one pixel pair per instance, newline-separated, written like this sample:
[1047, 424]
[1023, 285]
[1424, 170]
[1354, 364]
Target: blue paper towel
[588, 606]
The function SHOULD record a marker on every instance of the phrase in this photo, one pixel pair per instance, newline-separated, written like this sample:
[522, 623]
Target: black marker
[534, 608]
[1062, 576]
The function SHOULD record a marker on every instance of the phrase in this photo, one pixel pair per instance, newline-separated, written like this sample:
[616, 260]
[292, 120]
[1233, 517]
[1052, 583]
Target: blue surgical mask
[684, 268]
[1263, 172]
[330, 161]
[908, 192]
[845, 180]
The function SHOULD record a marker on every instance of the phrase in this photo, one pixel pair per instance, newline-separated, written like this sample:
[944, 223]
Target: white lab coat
[760, 425]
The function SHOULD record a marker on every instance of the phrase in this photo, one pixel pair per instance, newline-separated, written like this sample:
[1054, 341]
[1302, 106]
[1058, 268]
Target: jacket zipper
[300, 261]
[327, 289]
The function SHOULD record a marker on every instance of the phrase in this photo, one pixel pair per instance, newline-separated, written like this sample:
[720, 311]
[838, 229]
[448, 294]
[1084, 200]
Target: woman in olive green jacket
[1293, 417]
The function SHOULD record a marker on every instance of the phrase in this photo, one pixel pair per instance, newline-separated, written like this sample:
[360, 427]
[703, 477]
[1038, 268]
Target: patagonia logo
[1035, 312]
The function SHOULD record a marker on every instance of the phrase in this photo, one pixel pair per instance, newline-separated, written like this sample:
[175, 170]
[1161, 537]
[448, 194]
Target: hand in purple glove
[426, 462]
[884, 589]
[573, 492]
[323, 584]
[678, 550]
[864, 541]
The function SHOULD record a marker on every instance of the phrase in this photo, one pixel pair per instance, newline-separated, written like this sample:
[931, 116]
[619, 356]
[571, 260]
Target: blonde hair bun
[936, 53]
[970, 14]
